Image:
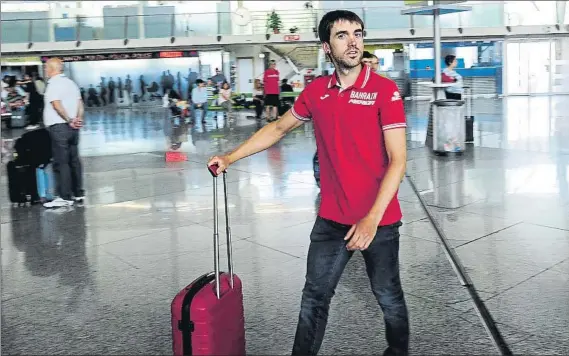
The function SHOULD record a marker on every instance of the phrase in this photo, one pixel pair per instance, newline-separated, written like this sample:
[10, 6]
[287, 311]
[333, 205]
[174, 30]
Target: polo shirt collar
[360, 83]
[56, 76]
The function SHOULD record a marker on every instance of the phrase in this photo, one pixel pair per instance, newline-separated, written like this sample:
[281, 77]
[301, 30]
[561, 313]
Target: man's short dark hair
[199, 81]
[367, 55]
[330, 18]
[449, 59]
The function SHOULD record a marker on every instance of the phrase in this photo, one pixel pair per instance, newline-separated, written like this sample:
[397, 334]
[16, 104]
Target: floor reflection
[146, 231]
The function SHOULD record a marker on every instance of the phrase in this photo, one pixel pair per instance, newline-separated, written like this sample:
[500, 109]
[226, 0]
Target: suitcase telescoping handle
[213, 170]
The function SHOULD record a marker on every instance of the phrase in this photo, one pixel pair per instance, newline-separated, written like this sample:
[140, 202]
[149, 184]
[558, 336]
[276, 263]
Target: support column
[560, 7]
[437, 45]
[437, 50]
[140, 19]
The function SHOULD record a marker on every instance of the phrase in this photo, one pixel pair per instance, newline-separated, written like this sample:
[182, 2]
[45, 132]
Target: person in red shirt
[271, 81]
[359, 123]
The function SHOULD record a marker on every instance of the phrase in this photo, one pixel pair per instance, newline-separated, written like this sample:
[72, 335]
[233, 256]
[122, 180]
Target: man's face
[374, 64]
[346, 44]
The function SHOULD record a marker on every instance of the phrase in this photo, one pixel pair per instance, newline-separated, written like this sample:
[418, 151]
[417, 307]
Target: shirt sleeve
[301, 107]
[51, 92]
[77, 91]
[391, 110]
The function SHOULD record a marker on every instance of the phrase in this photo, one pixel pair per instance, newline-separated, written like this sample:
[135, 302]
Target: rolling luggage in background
[22, 186]
[44, 179]
[18, 119]
[207, 315]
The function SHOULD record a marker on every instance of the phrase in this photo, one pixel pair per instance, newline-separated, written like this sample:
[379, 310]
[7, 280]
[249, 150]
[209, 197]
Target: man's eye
[341, 36]
[359, 34]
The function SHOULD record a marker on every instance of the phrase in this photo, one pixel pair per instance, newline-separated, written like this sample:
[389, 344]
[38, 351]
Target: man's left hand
[361, 234]
[76, 123]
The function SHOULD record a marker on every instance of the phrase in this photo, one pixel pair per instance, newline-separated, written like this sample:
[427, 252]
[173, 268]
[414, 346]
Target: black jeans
[258, 106]
[327, 258]
[66, 163]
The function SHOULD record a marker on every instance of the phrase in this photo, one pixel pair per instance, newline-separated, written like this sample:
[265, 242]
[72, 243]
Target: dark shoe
[394, 352]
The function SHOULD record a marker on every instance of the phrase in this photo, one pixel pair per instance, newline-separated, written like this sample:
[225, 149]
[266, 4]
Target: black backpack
[34, 148]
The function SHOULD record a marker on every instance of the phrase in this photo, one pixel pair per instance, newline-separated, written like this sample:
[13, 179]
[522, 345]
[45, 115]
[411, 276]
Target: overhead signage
[7, 61]
[122, 56]
[431, 3]
[415, 3]
[456, 44]
[290, 38]
[374, 47]
[171, 54]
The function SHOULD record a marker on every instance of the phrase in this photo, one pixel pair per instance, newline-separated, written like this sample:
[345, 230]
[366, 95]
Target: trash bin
[468, 117]
[448, 126]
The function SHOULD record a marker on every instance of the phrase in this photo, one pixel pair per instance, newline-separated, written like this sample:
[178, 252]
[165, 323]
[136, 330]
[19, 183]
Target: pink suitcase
[207, 315]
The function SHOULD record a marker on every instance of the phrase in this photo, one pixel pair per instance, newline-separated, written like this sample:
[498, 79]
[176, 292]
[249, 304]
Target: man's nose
[352, 40]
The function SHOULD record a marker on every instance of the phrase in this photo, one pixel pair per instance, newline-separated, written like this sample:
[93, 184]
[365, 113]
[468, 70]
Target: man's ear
[326, 47]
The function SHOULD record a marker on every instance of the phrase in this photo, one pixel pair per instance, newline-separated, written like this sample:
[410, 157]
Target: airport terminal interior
[484, 244]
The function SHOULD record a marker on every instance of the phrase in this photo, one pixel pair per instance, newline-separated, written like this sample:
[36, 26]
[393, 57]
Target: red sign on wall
[292, 37]
[171, 54]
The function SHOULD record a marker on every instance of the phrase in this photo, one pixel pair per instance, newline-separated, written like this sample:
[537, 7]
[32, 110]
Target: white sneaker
[79, 199]
[58, 203]
[32, 127]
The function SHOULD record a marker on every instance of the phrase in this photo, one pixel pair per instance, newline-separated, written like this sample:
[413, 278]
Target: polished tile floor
[99, 278]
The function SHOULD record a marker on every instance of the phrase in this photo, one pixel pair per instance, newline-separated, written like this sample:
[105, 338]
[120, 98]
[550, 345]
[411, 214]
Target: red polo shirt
[349, 125]
[271, 81]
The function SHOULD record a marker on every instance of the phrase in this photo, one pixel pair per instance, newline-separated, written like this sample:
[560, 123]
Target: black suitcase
[22, 183]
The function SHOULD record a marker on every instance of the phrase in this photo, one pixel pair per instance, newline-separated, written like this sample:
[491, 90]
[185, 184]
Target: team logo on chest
[362, 98]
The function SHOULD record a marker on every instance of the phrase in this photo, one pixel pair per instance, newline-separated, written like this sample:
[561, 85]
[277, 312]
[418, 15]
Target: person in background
[374, 63]
[287, 102]
[285, 86]
[33, 110]
[4, 91]
[63, 117]
[199, 100]
[271, 84]
[224, 99]
[371, 60]
[367, 58]
[450, 75]
[218, 79]
[14, 99]
[258, 97]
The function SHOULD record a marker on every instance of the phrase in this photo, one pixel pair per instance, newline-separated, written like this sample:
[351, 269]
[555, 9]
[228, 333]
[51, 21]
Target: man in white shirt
[199, 100]
[63, 116]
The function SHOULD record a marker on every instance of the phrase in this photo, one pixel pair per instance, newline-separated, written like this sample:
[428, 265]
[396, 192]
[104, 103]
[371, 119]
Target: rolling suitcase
[207, 315]
[22, 186]
[18, 118]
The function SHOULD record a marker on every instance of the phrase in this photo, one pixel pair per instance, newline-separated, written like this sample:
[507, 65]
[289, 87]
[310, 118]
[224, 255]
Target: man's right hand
[76, 123]
[222, 163]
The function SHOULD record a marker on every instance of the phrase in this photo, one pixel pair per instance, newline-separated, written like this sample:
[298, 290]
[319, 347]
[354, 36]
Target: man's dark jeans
[67, 168]
[327, 258]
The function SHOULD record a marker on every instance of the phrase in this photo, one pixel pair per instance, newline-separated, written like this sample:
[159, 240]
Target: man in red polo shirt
[271, 82]
[359, 123]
